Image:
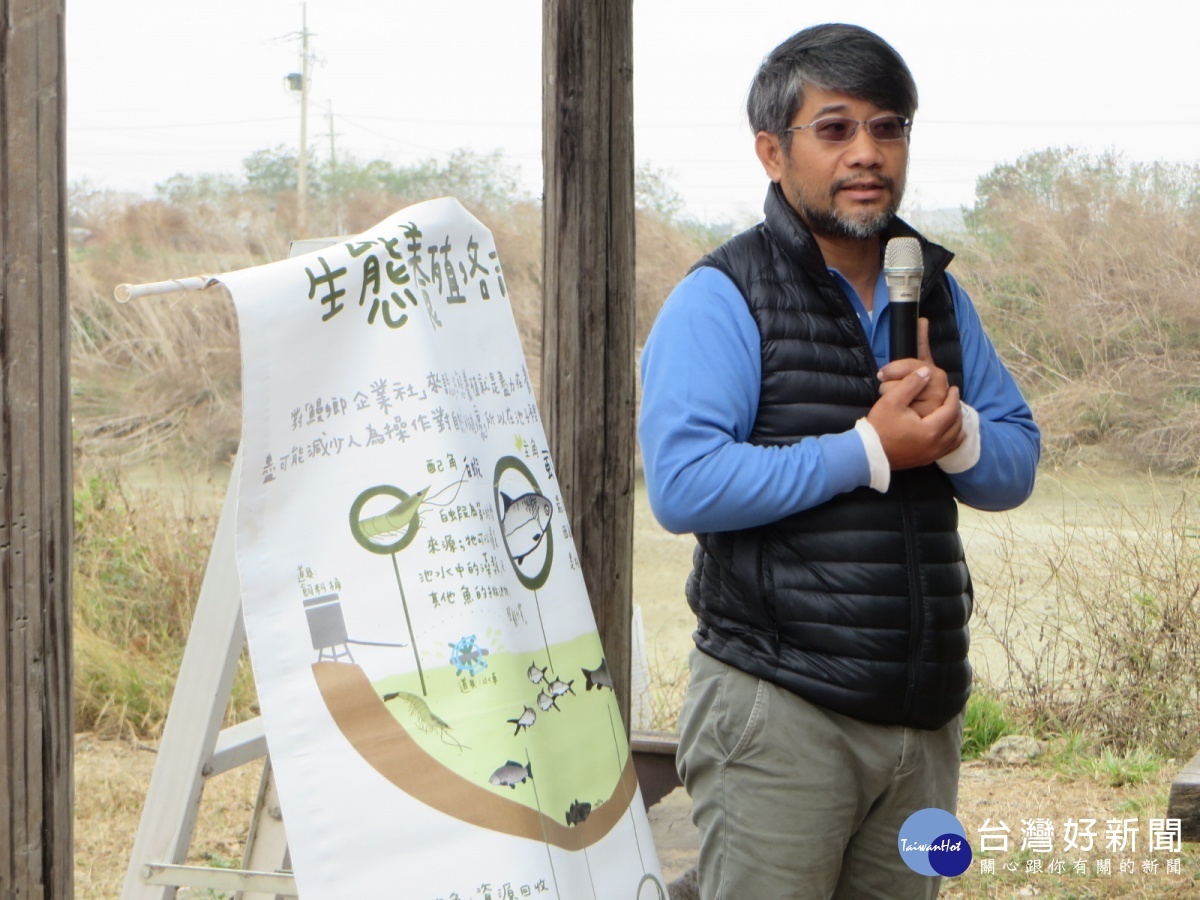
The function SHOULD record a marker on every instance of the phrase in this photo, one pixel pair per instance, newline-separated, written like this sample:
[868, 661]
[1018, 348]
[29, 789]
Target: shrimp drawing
[427, 721]
[400, 517]
[395, 519]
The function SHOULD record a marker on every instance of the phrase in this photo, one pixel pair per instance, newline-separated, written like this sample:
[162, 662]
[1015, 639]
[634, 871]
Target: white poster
[436, 701]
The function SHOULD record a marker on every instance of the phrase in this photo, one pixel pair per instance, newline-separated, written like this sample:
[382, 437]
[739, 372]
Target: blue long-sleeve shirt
[701, 375]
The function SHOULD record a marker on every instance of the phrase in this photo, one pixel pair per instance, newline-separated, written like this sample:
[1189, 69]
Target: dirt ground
[111, 780]
[111, 777]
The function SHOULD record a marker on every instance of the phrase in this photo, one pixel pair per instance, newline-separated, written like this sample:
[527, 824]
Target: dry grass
[160, 377]
[1107, 643]
[139, 561]
[1085, 271]
[662, 699]
[111, 778]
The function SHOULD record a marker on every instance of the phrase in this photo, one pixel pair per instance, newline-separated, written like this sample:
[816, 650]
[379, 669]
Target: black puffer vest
[859, 605]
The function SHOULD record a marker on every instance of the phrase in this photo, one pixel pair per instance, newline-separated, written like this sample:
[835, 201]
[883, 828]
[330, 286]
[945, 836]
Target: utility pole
[302, 163]
[298, 81]
[334, 189]
[332, 148]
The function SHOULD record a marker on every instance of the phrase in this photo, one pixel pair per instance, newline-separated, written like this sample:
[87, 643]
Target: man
[831, 593]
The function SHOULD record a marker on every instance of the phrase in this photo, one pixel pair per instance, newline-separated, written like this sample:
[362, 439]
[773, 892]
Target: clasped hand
[917, 416]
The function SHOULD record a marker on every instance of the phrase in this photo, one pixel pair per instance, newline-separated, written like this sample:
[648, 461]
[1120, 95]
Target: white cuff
[968, 452]
[881, 469]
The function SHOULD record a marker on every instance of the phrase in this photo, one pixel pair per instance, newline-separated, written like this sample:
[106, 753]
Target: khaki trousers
[794, 801]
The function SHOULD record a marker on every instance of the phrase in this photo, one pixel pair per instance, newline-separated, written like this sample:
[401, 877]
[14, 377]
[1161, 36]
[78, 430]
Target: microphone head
[903, 253]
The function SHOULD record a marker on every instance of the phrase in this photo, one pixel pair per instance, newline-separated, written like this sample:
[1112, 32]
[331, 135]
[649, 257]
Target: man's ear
[770, 153]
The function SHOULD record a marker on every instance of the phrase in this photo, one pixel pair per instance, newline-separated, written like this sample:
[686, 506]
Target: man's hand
[909, 439]
[934, 394]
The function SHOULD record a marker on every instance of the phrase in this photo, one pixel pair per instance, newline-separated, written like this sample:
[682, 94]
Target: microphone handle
[904, 329]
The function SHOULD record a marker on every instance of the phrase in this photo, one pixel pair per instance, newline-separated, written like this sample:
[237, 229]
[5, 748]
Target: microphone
[903, 267]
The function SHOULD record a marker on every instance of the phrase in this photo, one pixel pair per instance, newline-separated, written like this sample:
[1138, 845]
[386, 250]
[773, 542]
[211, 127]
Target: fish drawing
[578, 812]
[545, 701]
[598, 677]
[511, 774]
[558, 687]
[524, 720]
[535, 674]
[524, 521]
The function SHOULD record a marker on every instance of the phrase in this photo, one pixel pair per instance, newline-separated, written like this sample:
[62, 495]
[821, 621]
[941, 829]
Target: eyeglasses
[840, 129]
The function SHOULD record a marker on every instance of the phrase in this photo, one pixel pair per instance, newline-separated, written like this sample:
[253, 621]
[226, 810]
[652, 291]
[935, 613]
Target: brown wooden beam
[588, 325]
[36, 722]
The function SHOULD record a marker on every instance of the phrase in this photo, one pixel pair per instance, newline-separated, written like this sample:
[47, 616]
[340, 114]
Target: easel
[194, 748]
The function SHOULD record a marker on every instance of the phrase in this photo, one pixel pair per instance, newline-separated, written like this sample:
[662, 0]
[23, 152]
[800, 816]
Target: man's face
[849, 189]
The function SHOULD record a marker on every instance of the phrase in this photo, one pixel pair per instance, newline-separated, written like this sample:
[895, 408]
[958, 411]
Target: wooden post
[587, 271]
[35, 454]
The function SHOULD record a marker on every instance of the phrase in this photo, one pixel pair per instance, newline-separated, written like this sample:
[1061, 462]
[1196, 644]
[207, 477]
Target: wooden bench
[654, 759]
[1184, 802]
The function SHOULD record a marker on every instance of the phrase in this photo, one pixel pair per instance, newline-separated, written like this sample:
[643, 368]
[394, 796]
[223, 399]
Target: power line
[473, 123]
[175, 125]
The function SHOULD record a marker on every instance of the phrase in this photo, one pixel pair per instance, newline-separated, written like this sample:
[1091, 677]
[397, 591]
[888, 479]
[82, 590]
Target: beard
[829, 221]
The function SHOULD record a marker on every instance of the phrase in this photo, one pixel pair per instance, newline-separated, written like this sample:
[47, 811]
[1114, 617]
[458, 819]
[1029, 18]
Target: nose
[863, 151]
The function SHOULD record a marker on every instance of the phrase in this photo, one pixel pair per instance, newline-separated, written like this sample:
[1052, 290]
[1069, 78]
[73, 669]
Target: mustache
[856, 181]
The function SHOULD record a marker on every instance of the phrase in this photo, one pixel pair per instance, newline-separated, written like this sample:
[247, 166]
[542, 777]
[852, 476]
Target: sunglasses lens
[887, 128]
[835, 129]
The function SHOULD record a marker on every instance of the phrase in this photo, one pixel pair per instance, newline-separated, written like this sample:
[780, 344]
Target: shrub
[985, 722]
[138, 565]
[1112, 650]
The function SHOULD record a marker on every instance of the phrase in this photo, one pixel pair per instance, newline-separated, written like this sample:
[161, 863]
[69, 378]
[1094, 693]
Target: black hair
[843, 58]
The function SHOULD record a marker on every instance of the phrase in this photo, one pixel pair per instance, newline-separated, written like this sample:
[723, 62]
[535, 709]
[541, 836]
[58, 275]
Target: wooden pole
[588, 279]
[35, 455]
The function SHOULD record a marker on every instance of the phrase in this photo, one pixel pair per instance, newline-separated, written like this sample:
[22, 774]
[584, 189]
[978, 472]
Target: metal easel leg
[188, 752]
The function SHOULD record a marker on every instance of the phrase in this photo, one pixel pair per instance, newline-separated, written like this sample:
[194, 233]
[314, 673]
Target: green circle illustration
[517, 554]
[400, 518]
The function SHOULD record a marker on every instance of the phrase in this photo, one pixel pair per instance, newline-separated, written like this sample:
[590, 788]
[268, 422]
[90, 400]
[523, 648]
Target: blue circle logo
[933, 842]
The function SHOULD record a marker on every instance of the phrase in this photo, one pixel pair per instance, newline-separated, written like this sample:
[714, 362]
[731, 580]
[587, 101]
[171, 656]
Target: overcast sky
[156, 88]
